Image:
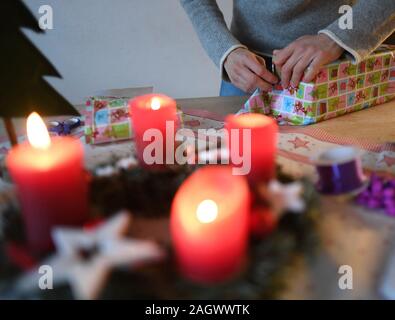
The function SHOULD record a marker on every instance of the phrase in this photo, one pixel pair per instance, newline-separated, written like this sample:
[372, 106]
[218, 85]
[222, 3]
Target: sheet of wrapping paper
[339, 88]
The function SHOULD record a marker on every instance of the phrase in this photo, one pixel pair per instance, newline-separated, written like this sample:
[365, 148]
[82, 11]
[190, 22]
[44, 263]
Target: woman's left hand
[308, 53]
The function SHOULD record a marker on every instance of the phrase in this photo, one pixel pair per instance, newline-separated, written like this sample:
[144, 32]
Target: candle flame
[155, 104]
[207, 211]
[37, 132]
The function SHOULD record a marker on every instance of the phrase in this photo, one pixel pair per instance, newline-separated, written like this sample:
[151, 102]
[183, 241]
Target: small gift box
[339, 88]
[107, 119]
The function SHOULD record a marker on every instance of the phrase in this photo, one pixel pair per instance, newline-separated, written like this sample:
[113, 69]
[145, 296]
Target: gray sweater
[265, 25]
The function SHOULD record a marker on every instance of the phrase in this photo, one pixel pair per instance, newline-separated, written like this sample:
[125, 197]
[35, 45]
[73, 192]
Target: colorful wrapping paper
[107, 119]
[340, 88]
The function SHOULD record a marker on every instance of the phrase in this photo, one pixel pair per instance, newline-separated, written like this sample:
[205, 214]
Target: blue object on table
[55, 126]
[64, 128]
[229, 90]
[71, 124]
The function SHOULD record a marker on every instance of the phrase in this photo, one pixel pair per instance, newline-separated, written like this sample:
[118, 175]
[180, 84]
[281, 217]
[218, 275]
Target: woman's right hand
[247, 71]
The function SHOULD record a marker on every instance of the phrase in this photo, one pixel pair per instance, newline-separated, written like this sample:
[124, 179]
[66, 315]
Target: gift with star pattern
[339, 88]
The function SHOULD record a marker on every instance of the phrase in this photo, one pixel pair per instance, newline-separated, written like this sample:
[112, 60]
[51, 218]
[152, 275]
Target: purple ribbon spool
[340, 171]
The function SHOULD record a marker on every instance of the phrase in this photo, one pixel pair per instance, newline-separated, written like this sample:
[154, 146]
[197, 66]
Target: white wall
[104, 44]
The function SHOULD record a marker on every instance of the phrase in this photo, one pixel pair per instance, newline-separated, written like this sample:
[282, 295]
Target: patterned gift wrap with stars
[107, 120]
[339, 88]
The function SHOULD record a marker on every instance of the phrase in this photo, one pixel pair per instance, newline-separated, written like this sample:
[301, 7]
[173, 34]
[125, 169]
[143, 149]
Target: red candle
[157, 112]
[209, 224]
[50, 182]
[261, 147]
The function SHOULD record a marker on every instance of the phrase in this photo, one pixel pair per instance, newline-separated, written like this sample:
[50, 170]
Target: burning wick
[207, 211]
[155, 104]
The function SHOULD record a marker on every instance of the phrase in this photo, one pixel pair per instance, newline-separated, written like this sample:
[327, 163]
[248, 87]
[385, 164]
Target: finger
[248, 80]
[261, 60]
[252, 82]
[260, 69]
[258, 66]
[287, 69]
[314, 68]
[243, 78]
[253, 64]
[281, 56]
[300, 68]
[237, 81]
[264, 86]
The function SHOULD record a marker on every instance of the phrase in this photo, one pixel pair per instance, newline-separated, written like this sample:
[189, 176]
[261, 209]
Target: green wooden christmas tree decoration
[23, 89]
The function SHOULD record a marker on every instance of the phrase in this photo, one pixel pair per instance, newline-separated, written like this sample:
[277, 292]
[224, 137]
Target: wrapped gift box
[107, 119]
[339, 88]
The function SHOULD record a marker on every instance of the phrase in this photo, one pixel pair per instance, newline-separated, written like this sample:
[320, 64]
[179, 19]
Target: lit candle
[263, 132]
[157, 112]
[209, 224]
[50, 182]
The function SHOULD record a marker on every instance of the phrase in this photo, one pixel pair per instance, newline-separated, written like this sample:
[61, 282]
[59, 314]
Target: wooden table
[350, 235]
[376, 124]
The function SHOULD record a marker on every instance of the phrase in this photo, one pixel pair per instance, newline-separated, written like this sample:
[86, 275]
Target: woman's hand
[308, 53]
[248, 72]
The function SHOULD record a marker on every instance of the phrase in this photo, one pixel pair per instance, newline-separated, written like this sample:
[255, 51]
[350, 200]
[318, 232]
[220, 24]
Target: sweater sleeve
[373, 22]
[211, 28]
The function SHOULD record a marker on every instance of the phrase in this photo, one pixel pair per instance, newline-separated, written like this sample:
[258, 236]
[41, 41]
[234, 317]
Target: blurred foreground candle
[254, 135]
[158, 113]
[50, 182]
[210, 223]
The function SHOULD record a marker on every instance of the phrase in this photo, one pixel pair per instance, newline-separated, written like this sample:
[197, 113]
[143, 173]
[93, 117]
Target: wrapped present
[107, 119]
[339, 88]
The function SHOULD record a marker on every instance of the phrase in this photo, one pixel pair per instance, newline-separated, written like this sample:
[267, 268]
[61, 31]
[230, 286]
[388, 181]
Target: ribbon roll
[339, 170]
